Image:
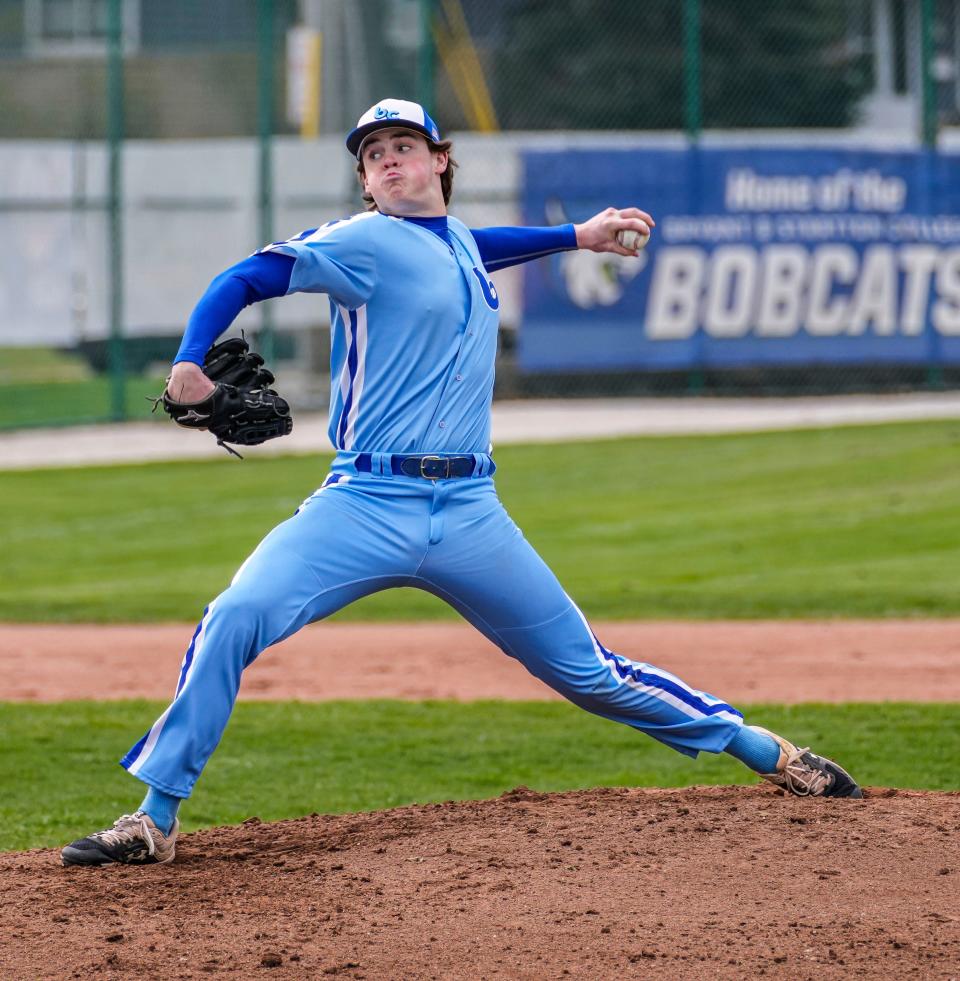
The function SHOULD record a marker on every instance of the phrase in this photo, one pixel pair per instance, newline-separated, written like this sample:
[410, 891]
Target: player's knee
[577, 681]
[243, 607]
[594, 685]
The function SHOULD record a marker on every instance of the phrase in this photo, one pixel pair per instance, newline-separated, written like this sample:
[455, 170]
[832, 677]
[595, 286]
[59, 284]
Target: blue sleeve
[502, 247]
[260, 277]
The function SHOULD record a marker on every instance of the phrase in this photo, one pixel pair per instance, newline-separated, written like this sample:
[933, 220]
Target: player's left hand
[599, 233]
[238, 407]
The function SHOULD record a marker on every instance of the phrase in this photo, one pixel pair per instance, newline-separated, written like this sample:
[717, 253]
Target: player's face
[402, 174]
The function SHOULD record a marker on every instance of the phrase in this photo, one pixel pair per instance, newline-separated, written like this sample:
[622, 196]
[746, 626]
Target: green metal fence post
[425, 57]
[692, 117]
[929, 86]
[265, 84]
[929, 133]
[115, 127]
[692, 85]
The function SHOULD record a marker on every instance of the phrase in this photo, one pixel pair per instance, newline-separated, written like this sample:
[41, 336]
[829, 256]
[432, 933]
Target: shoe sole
[68, 862]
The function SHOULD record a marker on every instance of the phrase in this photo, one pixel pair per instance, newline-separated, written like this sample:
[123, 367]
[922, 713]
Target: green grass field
[74, 401]
[824, 523]
[41, 366]
[49, 387]
[281, 760]
[838, 522]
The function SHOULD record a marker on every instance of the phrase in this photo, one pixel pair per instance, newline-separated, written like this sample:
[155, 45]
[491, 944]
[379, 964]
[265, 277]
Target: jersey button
[459, 378]
[443, 425]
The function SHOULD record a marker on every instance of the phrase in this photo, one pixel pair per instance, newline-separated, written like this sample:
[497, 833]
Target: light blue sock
[161, 808]
[756, 749]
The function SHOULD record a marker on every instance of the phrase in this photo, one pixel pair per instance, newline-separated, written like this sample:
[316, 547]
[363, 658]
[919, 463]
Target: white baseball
[632, 240]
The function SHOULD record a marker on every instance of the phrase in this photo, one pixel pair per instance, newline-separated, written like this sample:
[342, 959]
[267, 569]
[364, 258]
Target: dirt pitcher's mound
[706, 882]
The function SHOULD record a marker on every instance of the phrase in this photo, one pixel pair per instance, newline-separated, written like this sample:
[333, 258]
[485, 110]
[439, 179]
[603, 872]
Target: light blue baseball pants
[361, 533]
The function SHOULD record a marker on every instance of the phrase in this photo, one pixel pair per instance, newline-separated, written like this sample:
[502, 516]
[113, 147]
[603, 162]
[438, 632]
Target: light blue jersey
[412, 355]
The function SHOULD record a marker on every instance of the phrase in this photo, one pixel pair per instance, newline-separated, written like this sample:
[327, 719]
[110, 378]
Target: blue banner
[759, 257]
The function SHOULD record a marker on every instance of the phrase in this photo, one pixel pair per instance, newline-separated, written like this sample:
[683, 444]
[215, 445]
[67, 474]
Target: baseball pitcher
[410, 499]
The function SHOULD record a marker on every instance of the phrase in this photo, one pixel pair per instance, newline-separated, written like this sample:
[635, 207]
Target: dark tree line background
[609, 64]
[549, 64]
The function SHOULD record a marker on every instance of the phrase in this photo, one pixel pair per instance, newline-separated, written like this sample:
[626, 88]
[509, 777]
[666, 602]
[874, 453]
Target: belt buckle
[438, 459]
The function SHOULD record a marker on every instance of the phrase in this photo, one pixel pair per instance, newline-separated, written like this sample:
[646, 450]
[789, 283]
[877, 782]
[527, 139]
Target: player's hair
[446, 178]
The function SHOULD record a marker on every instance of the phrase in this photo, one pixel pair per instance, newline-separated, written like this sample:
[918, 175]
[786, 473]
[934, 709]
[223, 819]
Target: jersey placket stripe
[360, 343]
[346, 375]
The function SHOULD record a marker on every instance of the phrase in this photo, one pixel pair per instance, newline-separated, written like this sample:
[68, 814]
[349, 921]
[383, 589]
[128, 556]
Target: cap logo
[382, 113]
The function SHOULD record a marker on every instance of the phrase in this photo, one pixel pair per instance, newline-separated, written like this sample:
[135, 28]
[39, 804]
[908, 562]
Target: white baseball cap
[392, 112]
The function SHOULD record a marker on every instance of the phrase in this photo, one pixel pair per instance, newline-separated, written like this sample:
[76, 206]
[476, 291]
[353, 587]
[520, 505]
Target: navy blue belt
[428, 466]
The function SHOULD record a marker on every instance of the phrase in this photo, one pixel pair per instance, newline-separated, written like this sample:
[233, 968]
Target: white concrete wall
[190, 210]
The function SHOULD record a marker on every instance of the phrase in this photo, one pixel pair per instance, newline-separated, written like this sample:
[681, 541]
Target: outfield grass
[73, 401]
[41, 365]
[285, 759]
[859, 521]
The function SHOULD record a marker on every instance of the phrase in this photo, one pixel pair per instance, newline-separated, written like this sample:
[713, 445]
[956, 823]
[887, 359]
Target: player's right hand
[599, 233]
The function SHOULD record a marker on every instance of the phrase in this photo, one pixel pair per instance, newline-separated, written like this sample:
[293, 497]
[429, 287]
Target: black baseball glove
[242, 408]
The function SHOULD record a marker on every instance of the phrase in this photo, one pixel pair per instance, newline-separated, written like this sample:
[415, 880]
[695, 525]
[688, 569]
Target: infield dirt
[705, 882]
[741, 661]
[718, 882]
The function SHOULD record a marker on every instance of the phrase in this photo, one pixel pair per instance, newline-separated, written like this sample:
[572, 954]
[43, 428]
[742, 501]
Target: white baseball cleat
[133, 840]
[805, 774]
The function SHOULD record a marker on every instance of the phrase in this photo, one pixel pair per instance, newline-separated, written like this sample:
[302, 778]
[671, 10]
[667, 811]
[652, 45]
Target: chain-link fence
[797, 155]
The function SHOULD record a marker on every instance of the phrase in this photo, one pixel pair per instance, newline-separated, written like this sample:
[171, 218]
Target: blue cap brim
[356, 137]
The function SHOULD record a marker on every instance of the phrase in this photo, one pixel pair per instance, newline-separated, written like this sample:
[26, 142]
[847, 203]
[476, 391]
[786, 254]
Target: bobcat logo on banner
[593, 278]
